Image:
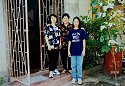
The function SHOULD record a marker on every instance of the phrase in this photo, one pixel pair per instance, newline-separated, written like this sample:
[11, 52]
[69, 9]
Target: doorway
[34, 37]
[47, 7]
[26, 20]
[38, 12]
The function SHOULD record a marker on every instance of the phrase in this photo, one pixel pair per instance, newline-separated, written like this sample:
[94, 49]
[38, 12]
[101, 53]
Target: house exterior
[73, 7]
[3, 40]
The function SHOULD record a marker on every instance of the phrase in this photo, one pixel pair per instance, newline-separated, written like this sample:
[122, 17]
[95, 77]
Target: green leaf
[105, 48]
[117, 49]
[101, 38]
[93, 2]
[105, 3]
[107, 37]
[94, 10]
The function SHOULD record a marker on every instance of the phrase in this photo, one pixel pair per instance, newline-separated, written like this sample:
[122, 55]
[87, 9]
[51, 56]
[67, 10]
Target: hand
[69, 54]
[49, 48]
[83, 53]
[60, 47]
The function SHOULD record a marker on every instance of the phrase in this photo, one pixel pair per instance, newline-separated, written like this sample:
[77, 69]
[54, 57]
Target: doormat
[34, 79]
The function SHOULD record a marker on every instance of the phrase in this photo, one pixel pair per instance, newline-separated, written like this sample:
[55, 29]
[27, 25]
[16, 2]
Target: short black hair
[78, 20]
[65, 14]
[49, 18]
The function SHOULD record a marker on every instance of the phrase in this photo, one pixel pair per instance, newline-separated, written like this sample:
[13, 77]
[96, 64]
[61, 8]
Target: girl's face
[65, 20]
[76, 22]
[53, 19]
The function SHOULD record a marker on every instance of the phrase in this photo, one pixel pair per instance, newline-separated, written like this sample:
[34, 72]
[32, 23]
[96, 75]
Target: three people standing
[72, 44]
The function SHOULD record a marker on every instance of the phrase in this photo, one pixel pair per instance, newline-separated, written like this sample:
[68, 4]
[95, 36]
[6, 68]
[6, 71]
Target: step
[58, 80]
[42, 79]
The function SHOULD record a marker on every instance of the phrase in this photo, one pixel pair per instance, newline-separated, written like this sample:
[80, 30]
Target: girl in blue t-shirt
[76, 50]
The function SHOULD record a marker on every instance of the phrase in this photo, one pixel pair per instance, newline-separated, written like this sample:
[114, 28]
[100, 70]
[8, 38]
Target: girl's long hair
[78, 20]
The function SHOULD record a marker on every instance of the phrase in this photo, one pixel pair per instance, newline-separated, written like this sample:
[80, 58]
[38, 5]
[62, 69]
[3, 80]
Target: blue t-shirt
[76, 37]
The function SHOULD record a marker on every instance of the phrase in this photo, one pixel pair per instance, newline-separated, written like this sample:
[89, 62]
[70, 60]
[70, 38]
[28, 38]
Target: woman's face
[76, 22]
[53, 19]
[65, 20]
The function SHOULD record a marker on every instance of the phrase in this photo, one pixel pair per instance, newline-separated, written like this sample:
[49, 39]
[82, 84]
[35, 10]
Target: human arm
[84, 45]
[47, 42]
[60, 45]
[46, 36]
[69, 44]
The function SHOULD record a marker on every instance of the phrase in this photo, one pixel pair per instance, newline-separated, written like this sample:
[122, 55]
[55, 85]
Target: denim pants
[76, 65]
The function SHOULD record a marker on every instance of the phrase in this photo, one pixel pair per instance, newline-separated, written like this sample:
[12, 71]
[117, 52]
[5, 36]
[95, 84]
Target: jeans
[76, 65]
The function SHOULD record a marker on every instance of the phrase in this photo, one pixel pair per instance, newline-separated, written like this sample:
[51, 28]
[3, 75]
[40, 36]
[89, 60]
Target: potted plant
[93, 46]
[111, 29]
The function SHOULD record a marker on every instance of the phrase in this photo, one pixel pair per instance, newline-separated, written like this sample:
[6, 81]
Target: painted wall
[77, 8]
[71, 7]
[84, 7]
[3, 48]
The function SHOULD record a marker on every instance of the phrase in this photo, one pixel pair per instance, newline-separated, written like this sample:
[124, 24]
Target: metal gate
[17, 27]
[18, 40]
[47, 7]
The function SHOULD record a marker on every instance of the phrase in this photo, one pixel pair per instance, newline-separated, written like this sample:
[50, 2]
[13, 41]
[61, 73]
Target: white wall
[84, 7]
[3, 48]
[71, 7]
[77, 8]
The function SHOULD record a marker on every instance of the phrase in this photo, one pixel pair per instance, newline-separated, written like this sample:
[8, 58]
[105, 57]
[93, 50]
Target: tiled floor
[56, 81]
[100, 79]
[63, 79]
[92, 77]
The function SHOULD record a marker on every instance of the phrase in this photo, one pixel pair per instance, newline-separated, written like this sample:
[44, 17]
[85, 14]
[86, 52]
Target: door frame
[18, 40]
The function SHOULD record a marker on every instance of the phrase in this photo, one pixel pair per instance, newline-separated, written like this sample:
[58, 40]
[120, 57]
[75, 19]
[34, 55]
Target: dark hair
[49, 18]
[78, 20]
[65, 14]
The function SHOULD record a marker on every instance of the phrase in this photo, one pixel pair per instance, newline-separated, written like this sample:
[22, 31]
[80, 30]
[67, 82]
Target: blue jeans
[76, 65]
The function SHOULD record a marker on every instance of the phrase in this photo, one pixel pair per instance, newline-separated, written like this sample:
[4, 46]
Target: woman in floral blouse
[52, 38]
[65, 27]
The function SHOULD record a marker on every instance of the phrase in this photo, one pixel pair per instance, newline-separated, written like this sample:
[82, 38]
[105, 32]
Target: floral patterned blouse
[53, 34]
[64, 32]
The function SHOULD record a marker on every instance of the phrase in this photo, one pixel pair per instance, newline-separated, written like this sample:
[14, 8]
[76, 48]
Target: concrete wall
[84, 7]
[77, 8]
[71, 7]
[3, 48]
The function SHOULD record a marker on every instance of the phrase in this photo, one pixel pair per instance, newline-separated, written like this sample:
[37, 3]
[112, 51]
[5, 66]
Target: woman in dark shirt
[65, 27]
[52, 38]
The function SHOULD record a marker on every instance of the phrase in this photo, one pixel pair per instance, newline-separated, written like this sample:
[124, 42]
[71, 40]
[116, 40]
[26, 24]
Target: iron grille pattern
[16, 11]
[47, 7]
